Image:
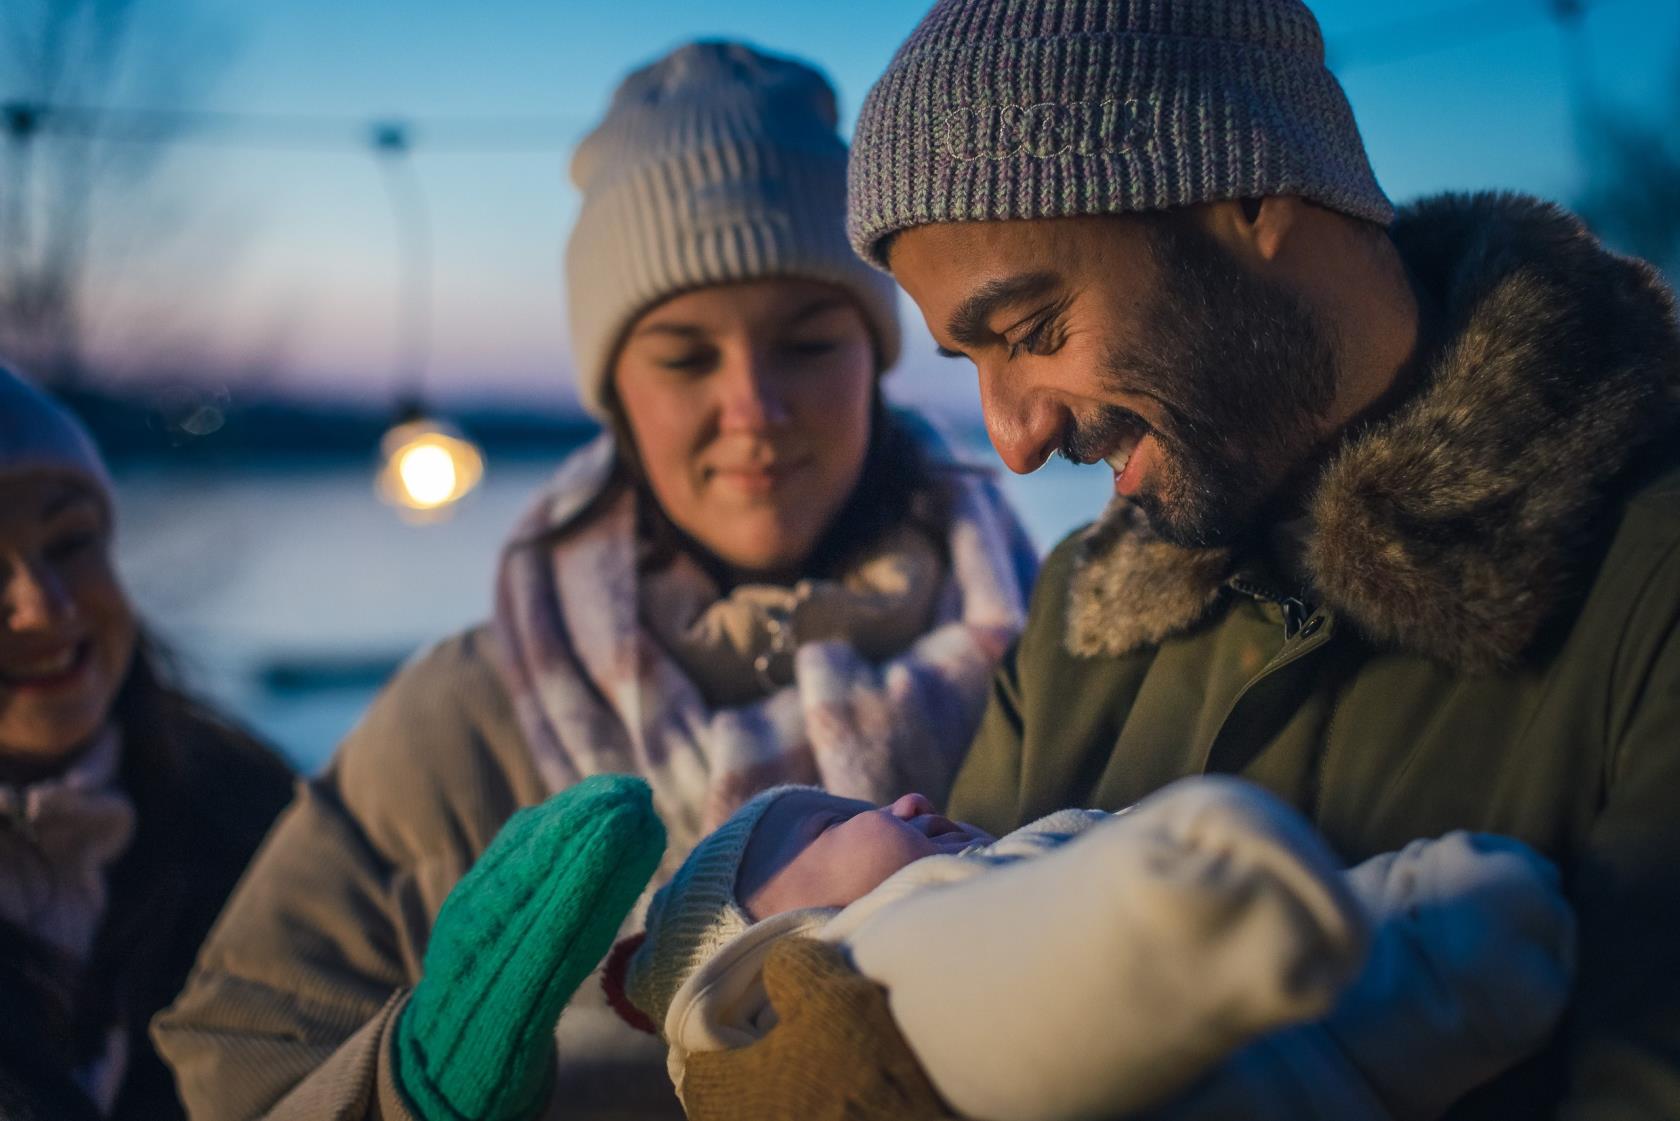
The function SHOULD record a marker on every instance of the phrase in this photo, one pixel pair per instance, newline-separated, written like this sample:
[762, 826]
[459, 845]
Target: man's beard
[1243, 376]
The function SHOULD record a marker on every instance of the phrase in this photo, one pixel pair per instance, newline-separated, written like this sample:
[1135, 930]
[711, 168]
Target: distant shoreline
[180, 427]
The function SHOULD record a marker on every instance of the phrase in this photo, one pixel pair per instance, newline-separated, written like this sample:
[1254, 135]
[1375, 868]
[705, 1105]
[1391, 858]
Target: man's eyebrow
[967, 325]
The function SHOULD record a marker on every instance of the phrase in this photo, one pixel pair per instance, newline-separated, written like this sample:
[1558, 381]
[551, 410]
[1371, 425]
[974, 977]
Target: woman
[127, 811]
[758, 575]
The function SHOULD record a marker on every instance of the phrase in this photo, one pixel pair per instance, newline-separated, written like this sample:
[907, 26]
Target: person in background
[127, 809]
[759, 574]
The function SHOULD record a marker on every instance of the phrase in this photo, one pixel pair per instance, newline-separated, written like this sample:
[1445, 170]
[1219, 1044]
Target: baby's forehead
[789, 824]
[798, 805]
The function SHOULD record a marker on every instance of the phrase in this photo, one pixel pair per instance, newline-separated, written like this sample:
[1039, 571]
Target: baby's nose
[910, 806]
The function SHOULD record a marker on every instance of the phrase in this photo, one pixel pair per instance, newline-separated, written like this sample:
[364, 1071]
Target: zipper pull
[1295, 616]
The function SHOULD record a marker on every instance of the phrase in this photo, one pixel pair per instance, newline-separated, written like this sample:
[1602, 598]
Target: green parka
[1482, 632]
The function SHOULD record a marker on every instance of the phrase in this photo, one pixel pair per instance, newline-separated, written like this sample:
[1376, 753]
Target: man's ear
[884, 248]
[1254, 229]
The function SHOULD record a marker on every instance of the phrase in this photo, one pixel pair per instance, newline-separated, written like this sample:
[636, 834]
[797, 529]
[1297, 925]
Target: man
[1396, 531]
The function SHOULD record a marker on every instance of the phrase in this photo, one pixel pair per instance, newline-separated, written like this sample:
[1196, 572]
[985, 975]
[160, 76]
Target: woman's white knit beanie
[696, 913]
[716, 164]
[37, 434]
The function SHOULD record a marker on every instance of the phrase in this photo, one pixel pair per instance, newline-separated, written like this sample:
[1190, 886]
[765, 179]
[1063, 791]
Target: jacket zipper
[1296, 612]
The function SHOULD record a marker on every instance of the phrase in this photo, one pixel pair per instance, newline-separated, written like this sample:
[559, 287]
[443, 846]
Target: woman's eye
[690, 362]
[810, 348]
[72, 544]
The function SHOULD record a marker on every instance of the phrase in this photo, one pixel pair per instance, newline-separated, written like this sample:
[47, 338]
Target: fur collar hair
[1453, 527]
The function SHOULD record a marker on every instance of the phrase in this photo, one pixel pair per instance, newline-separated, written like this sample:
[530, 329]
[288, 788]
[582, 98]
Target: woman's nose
[1025, 427]
[910, 806]
[33, 597]
[753, 400]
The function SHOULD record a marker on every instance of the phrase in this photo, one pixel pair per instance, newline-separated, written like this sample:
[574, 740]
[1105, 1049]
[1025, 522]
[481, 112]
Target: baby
[1093, 965]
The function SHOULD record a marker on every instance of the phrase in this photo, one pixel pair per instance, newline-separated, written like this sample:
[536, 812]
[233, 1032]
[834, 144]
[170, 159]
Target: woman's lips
[757, 480]
[47, 672]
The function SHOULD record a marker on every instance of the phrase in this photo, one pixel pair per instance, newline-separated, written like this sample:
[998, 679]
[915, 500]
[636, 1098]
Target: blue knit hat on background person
[716, 164]
[1022, 109]
[39, 435]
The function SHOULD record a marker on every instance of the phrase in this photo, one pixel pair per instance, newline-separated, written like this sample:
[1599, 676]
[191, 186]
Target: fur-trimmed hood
[1454, 527]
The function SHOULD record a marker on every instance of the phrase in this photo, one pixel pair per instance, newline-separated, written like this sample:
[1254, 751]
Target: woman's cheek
[101, 599]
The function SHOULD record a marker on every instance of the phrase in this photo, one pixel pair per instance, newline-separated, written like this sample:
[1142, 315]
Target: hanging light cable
[427, 464]
[407, 196]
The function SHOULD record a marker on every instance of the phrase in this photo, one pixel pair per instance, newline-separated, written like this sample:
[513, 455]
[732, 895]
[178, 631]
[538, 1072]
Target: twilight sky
[293, 265]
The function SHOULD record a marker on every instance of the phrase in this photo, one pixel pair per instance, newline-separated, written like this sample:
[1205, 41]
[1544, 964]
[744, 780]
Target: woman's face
[750, 408]
[67, 634]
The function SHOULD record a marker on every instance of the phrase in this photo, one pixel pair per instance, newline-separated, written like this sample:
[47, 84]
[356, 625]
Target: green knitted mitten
[513, 941]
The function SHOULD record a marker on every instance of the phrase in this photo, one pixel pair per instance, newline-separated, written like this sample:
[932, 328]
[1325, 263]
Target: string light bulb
[427, 466]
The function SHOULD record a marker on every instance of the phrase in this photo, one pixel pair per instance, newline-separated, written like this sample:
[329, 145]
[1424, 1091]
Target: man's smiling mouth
[1110, 438]
[1120, 441]
[1120, 455]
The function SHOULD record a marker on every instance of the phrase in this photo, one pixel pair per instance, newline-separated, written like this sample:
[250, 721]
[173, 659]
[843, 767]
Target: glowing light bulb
[428, 467]
[428, 474]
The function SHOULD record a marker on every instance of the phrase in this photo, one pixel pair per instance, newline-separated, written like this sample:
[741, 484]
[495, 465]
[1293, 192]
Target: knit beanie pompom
[1021, 109]
[716, 164]
[37, 434]
[696, 913]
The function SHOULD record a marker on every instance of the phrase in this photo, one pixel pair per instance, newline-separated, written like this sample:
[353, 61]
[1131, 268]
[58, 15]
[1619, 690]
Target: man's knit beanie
[38, 435]
[1001, 109]
[716, 164]
[696, 913]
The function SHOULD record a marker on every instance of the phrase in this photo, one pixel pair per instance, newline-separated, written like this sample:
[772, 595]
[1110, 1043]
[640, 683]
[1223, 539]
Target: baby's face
[812, 849]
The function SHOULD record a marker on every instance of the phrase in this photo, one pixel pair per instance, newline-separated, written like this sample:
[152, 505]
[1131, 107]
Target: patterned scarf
[595, 690]
[739, 647]
[57, 839]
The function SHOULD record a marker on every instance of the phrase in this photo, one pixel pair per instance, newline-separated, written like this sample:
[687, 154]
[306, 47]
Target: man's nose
[32, 597]
[752, 395]
[910, 806]
[1026, 428]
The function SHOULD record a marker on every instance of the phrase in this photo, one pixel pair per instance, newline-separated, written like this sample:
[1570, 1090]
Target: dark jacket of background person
[1488, 638]
[205, 793]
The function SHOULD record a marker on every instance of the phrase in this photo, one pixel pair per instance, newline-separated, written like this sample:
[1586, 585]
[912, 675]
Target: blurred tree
[77, 196]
